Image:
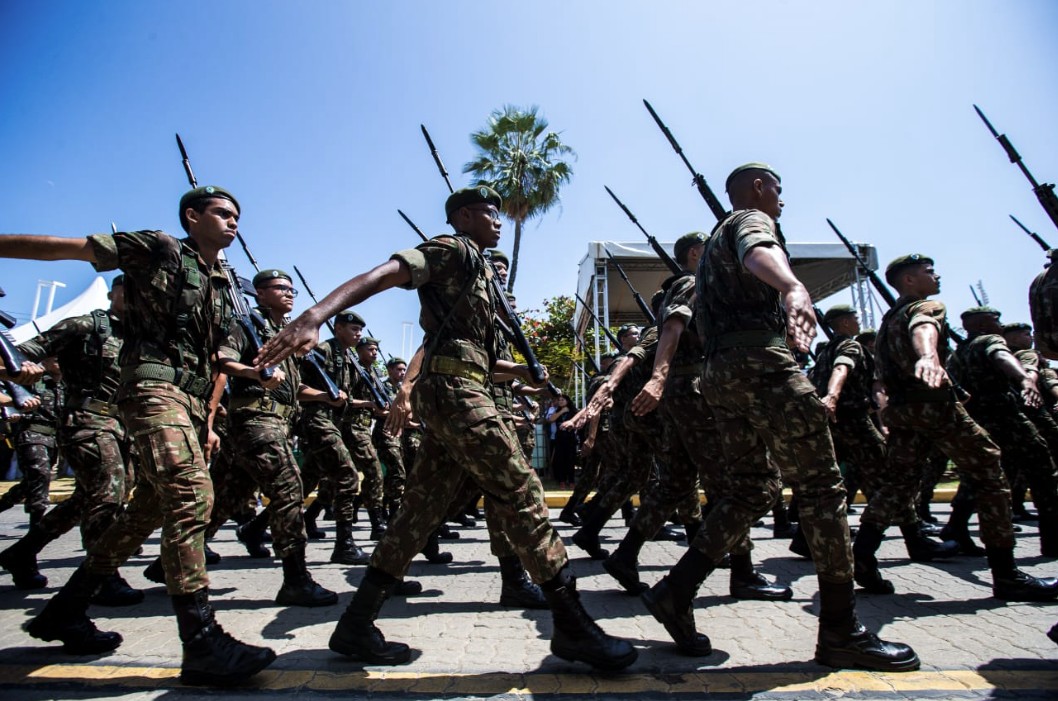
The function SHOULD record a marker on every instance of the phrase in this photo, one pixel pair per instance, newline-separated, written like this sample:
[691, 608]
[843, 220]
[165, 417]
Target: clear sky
[310, 113]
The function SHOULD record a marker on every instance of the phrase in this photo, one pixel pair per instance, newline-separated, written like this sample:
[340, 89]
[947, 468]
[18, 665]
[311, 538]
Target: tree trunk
[514, 254]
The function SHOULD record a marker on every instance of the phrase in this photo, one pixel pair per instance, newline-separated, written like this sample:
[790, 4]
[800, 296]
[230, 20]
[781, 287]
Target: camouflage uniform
[919, 419]
[768, 415]
[996, 407]
[93, 438]
[467, 433]
[260, 422]
[1043, 306]
[389, 452]
[321, 438]
[356, 433]
[174, 321]
[36, 449]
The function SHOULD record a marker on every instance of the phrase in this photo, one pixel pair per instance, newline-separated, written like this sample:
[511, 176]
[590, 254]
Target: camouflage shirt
[857, 390]
[1043, 305]
[87, 348]
[45, 418]
[894, 352]
[973, 367]
[501, 391]
[335, 363]
[237, 347]
[453, 283]
[174, 310]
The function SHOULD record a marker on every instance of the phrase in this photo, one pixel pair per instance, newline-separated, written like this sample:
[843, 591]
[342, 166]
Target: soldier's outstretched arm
[35, 247]
[301, 335]
[1015, 372]
[650, 396]
[770, 265]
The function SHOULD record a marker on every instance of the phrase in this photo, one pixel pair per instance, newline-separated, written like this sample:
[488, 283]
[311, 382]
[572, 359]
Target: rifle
[598, 322]
[643, 306]
[379, 397]
[1044, 192]
[10, 354]
[514, 331]
[976, 297]
[1035, 237]
[584, 349]
[703, 187]
[662, 253]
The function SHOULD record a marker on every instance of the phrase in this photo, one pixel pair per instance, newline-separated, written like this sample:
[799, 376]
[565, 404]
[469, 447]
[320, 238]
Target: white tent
[94, 297]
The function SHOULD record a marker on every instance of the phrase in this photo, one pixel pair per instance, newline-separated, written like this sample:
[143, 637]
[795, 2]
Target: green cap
[974, 311]
[1016, 326]
[866, 335]
[366, 341]
[498, 256]
[349, 317]
[838, 310]
[118, 281]
[471, 195]
[395, 361]
[749, 166]
[685, 243]
[272, 274]
[898, 264]
[204, 193]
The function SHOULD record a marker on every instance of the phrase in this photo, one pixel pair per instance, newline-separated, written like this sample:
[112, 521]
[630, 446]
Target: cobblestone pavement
[467, 646]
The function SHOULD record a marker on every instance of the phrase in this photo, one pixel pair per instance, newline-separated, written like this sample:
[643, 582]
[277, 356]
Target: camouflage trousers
[390, 454]
[499, 544]
[526, 433]
[468, 437]
[1024, 454]
[36, 457]
[915, 429]
[234, 491]
[860, 449]
[358, 440]
[773, 424]
[326, 459]
[173, 489]
[633, 444]
[262, 450]
[410, 440]
[98, 451]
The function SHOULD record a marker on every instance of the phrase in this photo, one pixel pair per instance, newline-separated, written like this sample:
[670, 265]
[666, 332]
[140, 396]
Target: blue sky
[310, 113]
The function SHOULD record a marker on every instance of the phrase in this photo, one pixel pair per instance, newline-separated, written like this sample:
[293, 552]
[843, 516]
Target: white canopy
[94, 297]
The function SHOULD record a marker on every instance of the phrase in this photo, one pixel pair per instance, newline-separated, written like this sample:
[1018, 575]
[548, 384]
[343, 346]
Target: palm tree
[524, 163]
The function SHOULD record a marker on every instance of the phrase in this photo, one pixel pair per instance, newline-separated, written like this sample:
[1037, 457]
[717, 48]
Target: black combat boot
[799, 544]
[576, 635]
[782, 528]
[212, 657]
[568, 515]
[845, 643]
[1053, 633]
[671, 602]
[445, 532]
[922, 508]
[628, 512]
[1048, 535]
[623, 565]
[463, 520]
[432, 551]
[1011, 584]
[312, 512]
[393, 506]
[299, 588]
[518, 590]
[358, 501]
[115, 591]
[691, 530]
[252, 536]
[958, 527]
[21, 559]
[346, 551]
[922, 548]
[576, 500]
[378, 523]
[356, 634]
[669, 533]
[748, 583]
[65, 618]
[154, 571]
[212, 558]
[867, 542]
[587, 538]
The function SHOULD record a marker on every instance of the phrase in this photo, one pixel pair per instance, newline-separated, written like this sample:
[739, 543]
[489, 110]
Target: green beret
[366, 341]
[499, 256]
[974, 311]
[898, 264]
[836, 311]
[471, 195]
[866, 334]
[749, 166]
[204, 193]
[395, 361]
[118, 281]
[685, 243]
[349, 317]
[1016, 326]
[627, 328]
[272, 274]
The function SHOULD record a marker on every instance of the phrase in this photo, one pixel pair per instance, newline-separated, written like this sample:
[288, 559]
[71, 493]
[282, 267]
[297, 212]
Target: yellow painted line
[392, 682]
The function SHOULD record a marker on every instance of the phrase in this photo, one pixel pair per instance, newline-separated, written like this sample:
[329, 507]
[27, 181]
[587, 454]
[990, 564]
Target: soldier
[923, 412]
[173, 324]
[356, 432]
[1043, 306]
[769, 419]
[467, 435]
[843, 376]
[93, 439]
[985, 367]
[387, 446]
[261, 416]
[35, 442]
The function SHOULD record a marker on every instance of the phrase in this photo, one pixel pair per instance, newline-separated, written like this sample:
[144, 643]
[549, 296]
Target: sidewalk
[467, 646]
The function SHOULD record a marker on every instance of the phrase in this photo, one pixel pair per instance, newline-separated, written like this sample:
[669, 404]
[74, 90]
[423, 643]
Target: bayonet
[1035, 237]
[598, 322]
[436, 158]
[662, 253]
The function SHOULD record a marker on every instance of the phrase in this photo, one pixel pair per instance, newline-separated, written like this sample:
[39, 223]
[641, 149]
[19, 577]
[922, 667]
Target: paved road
[468, 647]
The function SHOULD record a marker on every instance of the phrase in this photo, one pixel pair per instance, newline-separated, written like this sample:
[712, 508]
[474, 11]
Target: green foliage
[523, 162]
[551, 337]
